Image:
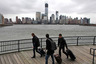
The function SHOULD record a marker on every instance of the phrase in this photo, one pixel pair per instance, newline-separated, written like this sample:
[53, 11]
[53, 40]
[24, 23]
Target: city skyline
[73, 8]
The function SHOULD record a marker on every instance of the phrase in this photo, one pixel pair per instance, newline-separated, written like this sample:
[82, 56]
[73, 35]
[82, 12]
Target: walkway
[82, 54]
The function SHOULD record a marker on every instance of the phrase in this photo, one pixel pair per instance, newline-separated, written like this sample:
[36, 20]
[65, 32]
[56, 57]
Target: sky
[28, 8]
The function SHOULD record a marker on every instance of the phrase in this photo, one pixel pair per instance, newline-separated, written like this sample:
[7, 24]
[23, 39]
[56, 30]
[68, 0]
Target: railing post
[18, 46]
[41, 42]
[1, 46]
[94, 40]
[93, 56]
[90, 50]
[77, 40]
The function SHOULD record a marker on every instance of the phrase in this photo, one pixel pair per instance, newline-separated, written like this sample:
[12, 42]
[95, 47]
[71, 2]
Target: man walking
[49, 51]
[62, 44]
[36, 43]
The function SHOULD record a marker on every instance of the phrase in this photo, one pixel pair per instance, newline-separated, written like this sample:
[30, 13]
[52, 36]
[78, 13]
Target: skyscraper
[10, 20]
[57, 17]
[1, 19]
[53, 18]
[46, 11]
[23, 20]
[38, 16]
[6, 20]
[16, 19]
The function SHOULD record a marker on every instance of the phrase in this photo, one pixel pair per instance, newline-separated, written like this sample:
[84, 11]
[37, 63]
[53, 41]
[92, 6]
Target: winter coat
[48, 47]
[62, 42]
[35, 41]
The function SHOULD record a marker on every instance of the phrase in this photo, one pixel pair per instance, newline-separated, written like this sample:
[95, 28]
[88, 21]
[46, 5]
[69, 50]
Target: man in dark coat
[35, 41]
[49, 51]
[62, 44]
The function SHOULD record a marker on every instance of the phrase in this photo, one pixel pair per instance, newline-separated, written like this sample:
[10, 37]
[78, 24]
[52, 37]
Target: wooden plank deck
[82, 54]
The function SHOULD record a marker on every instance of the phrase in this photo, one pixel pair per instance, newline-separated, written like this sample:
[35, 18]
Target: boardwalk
[82, 54]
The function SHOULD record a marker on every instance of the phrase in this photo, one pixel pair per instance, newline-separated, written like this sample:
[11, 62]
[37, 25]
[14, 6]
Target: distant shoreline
[2, 25]
[88, 24]
[60, 24]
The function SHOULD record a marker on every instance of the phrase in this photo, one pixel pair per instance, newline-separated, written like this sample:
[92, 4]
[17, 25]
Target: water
[24, 31]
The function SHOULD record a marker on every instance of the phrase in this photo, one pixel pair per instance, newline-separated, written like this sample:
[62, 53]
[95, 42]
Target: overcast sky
[28, 8]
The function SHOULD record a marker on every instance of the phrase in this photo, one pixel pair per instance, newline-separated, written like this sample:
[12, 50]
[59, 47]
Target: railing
[92, 52]
[26, 44]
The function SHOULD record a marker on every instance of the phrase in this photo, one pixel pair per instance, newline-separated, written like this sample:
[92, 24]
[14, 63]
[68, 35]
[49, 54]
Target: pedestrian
[36, 44]
[49, 51]
[62, 44]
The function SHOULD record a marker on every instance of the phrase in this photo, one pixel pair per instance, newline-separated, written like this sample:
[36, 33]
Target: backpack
[53, 45]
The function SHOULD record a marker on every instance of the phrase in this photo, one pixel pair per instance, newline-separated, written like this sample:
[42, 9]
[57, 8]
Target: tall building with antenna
[57, 17]
[46, 12]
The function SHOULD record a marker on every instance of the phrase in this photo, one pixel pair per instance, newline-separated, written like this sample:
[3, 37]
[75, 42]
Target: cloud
[17, 7]
[76, 6]
[88, 6]
[64, 6]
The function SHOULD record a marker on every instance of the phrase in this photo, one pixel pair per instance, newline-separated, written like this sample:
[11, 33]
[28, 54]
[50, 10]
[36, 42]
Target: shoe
[33, 57]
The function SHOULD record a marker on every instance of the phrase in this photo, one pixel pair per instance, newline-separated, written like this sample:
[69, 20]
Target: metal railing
[92, 52]
[26, 44]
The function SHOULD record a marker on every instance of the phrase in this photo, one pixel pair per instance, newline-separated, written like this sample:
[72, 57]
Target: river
[24, 31]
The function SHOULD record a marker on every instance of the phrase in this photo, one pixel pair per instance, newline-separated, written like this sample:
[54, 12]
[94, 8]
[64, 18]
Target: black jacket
[35, 41]
[48, 47]
[62, 42]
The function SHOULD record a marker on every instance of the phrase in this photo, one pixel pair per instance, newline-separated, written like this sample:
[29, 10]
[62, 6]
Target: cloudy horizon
[28, 8]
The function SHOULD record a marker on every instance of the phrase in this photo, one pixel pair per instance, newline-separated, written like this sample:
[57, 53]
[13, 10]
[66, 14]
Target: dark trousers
[35, 48]
[63, 49]
[46, 58]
